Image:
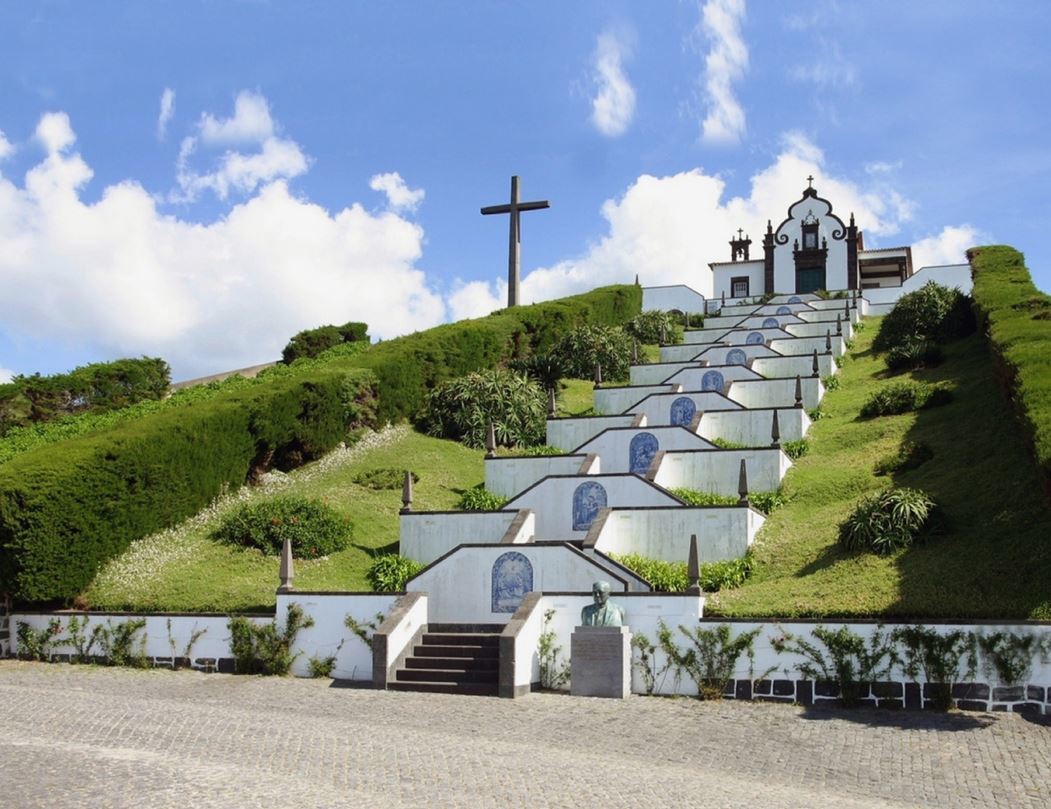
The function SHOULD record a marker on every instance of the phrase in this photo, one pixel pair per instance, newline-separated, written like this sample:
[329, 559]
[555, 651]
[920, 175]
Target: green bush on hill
[463, 409]
[931, 313]
[586, 347]
[312, 342]
[1017, 319]
[650, 326]
[390, 572]
[100, 386]
[904, 397]
[314, 528]
[672, 577]
[66, 509]
[888, 521]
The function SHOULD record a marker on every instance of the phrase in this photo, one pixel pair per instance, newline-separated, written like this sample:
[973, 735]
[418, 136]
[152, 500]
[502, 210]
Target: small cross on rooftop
[740, 233]
[810, 181]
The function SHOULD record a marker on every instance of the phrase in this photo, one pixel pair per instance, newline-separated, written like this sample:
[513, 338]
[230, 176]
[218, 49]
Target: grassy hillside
[183, 570]
[996, 560]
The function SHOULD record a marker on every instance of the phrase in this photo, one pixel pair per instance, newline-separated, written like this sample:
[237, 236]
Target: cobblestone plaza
[97, 737]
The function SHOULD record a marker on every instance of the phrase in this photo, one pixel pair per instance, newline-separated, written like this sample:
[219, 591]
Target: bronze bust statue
[603, 612]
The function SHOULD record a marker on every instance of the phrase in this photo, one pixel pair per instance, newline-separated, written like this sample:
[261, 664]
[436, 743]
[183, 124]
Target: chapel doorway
[810, 279]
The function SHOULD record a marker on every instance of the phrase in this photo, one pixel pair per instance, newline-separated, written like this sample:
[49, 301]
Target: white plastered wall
[425, 536]
[753, 427]
[717, 470]
[617, 400]
[614, 446]
[777, 392]
[723, 532]
[572, 432]
[507, 476]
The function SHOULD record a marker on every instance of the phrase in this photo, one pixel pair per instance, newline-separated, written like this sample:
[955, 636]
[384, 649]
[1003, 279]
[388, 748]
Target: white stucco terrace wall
[427, 535]
[678, 296]
[777, 392]
[614, 446]
[569, 433]
[727, 321]
[717, 355]
[763, 321]
[723, 532]
[773, 367]
[740, 337]
[552, 501]
[949, 275]
[819, 329]
[460, 586]
[718, 470]
[657, 408]
[693, 378]
[618, 399]
[657, 373]
[508, 475]
[706, 335]
[753, 427]
[805, 345]
[829, 315]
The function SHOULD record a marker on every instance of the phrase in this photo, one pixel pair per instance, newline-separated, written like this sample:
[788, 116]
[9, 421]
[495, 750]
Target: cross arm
[496, 209]
[534, 206]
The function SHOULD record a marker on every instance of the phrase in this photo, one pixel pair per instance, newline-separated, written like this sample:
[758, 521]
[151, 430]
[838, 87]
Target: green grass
[995, 562]
[184, 570]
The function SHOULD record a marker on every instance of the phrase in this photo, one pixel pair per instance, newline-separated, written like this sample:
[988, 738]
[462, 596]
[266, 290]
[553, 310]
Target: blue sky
[199, 180]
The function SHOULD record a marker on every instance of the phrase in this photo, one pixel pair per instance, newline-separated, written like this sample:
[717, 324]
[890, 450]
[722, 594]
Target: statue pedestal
[601, 662]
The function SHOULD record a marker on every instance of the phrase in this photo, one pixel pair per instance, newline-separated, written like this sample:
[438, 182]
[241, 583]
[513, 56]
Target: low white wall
[819, 329]
[805, 297]
[572, 432]
[723, 532]
[617, 400]
[829, 315]
[753, 427]
[777, 392]
[693, 378]
[657, 373]
[460, 587]
[774, 367]
[805, 345]
[725, 321]
[427, 535]
[769, 322]
[657, 409]
[774, 309]
[666, 298]
[718, 470]
[706, 335]
[330, 636]
[614, 446]
[720, 355]
[740, 337]
[552, 500]
[949, 275]
[507, 476]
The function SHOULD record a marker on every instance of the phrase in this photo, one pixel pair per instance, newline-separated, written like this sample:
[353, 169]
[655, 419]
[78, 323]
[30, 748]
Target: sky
[200, 180]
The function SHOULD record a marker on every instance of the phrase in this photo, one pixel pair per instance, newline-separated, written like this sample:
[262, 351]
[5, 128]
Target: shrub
[464, 408]
[100, 386]
[767, 501]
[533, 451]
[904, 397]
[480, 499]
[587, 346]
[384, 478]
[712, 660]
[672, 577]
[889, 521]
[312, 342]
[932, 312]
[647, 327]
[265, 649]
[796, 449]
[912, 354]
[723, 443]
[315, 529]
[830, 382]
[697, 498]
[390, 572]
[547, 369]
[909, 455]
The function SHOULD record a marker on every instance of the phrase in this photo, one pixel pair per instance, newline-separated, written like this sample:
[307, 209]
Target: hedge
[409, 367]
[1016, 316]
[67, 509]
[100, 386]
[312, 342]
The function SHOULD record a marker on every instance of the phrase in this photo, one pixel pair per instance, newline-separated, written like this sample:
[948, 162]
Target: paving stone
[82, 736]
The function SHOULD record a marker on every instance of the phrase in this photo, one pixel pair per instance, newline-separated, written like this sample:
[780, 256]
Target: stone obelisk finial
[286, 573]
[742, 484]
[406, 493]
[693, 568]
[775, 431]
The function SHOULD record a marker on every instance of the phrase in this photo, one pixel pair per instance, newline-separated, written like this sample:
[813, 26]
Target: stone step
[464, 629]
[462, 663]
[463, 689]
[457, 650]
[459, 639]
[446, 676]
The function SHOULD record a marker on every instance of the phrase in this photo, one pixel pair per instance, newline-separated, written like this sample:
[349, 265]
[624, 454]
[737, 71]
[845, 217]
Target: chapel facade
[812, 249]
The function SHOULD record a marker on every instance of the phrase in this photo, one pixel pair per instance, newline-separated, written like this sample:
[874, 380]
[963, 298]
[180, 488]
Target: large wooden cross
[514, 239]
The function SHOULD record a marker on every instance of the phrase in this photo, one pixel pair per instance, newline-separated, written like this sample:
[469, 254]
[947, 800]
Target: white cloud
[251, 122]
[726, 62]
[667, 229]
[829, 69]
[6, 149]
[948, 247]
[613, 106]
[54, 132]
[477, 299]
[166, 113]
[5, 375]
[883, 167]
[276, 158]
[399, 196]
[125, 279]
